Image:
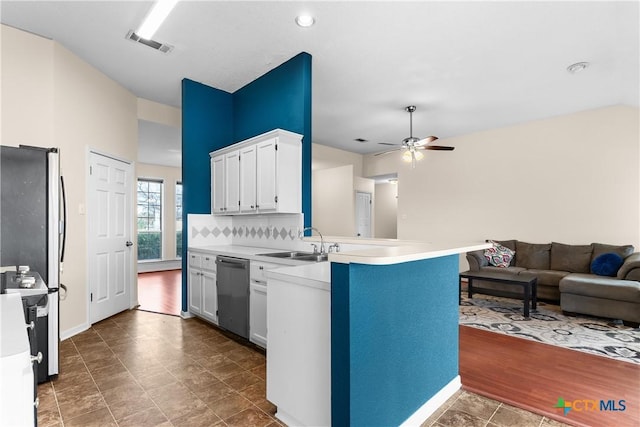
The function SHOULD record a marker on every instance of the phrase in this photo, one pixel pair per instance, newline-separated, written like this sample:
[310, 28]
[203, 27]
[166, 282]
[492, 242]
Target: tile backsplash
[276, 230]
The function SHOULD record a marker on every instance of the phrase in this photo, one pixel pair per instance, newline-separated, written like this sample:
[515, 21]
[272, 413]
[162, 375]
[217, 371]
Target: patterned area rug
[603, 337]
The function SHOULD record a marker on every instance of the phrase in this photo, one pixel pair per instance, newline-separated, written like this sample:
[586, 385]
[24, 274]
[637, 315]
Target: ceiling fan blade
[437, 147]
[386, 152]
[426, 140]
[387, 143]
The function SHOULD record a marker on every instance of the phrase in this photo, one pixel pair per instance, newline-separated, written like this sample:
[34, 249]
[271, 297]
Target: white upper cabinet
[260, 175]
[232, 182]
[248, 179]
[217, 184]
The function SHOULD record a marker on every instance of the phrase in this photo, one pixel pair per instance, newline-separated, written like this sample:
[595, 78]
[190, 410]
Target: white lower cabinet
[202, 288]
[258, 302]
[258, 315]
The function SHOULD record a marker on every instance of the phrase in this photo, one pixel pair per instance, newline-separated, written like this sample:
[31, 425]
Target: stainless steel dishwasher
[233, 294]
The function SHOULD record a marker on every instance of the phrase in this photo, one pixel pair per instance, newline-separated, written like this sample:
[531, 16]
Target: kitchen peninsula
[369, 339]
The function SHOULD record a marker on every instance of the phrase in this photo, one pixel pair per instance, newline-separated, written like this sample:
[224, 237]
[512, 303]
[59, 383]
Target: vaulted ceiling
[467, 66]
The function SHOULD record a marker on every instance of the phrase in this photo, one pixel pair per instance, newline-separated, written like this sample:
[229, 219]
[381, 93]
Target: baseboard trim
[151, 266]
[432, 405]
[68, 333]
[186, 315]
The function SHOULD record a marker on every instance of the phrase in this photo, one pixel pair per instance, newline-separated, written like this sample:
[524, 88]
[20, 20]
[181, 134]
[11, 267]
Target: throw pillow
[498, 255]
[606, 264]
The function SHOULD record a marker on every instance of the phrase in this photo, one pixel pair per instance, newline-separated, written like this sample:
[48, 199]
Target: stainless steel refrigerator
[32, 234]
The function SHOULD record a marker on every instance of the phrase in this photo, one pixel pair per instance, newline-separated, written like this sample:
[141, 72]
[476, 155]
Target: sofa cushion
[532, 255]
[547, 277]
[599, 249]
[606, 264]
[601, 287]
[498, 255]
[573, 258]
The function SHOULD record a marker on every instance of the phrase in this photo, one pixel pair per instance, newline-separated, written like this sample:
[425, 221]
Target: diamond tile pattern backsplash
[250, 230]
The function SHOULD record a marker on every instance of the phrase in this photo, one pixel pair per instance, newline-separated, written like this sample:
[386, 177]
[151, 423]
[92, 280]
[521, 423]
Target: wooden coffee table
[528, 282]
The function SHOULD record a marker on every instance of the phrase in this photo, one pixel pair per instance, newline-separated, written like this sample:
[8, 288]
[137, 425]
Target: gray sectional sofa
[564, 275]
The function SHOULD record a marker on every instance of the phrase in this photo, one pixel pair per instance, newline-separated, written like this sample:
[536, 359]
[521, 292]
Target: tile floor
[147, 369]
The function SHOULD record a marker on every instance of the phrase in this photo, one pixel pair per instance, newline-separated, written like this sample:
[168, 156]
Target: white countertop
[248, 252]
[381, 252]
[314, 275]
[405, 252]
[13, 332]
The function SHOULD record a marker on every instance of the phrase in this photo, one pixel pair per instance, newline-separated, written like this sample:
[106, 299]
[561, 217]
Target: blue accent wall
[213, 119]
[394, 338]
[281, 99]
[207, 124]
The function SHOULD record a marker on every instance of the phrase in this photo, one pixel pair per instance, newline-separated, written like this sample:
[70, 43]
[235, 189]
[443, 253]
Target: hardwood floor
[160, 292]
[532, 376]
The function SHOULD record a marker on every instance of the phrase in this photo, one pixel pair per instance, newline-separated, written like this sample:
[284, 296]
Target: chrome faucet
[315, 247]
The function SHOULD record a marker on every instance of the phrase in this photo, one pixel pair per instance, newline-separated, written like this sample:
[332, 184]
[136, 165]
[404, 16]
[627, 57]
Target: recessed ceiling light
[577, 67]
[305, 20]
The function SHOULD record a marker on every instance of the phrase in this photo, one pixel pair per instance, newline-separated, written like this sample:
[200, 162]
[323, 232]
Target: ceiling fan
[412, 145]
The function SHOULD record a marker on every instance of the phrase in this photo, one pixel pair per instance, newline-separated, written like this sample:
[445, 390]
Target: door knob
[129, 243]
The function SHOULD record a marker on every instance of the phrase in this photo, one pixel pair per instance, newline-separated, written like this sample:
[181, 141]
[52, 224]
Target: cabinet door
[248, 179]
[217, 185]
[232, 182]
[210, 296]
[266, 191]
[258, 315]
[195, 291]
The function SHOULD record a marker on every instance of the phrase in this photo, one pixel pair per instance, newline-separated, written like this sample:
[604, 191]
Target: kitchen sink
[298, 256]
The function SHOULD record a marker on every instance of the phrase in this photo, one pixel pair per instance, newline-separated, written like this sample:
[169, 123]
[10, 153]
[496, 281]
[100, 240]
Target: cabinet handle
[37, 358]
[207, 259]
[257, 206]
[261, 268]
[251, 206]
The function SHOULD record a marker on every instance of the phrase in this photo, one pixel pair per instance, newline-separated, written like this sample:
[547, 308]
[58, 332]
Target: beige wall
[159, 113]
[170, 176]
[325, 157]
[52, 98]
[386, 211]
[332, 202]
[572, 179]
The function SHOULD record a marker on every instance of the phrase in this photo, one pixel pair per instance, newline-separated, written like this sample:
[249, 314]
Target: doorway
[110, 247]
[363, 214]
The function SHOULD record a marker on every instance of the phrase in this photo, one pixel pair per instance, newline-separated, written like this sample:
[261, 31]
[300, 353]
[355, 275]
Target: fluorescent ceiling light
[154, 19]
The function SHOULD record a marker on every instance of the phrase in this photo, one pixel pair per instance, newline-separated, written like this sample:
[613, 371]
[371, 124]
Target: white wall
[386, 211]
[169, 176]
[572, 179]
[333, 201]
[52, 98]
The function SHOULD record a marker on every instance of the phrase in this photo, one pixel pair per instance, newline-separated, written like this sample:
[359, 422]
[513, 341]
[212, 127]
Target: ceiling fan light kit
[411, 145]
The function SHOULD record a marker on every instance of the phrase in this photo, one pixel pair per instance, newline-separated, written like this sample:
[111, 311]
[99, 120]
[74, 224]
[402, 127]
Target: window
[149, 219]
[178, 220]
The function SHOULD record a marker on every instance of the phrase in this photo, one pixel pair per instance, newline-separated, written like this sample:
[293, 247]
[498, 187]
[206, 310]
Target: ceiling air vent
[164, 48]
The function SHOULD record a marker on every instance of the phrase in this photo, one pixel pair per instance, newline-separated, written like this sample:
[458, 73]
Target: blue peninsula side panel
[394, 338]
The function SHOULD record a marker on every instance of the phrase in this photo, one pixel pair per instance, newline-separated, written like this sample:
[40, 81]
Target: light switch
[81, 209]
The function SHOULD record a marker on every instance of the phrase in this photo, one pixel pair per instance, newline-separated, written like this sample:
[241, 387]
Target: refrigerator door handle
[63, 224]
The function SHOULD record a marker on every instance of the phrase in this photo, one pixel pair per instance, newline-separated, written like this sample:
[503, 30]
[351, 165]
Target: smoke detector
[577, 67]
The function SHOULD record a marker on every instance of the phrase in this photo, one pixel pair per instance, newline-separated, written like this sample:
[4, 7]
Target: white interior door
[109, 213]
[363, 214]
